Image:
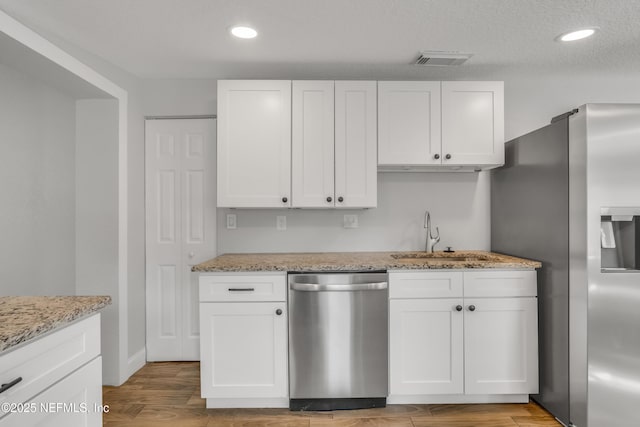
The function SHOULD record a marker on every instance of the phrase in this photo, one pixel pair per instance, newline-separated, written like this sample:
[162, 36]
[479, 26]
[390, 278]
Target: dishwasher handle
[318, 287]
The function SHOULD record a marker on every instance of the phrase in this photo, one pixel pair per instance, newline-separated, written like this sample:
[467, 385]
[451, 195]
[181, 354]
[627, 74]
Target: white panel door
[254, 143]
[245, 349]
[180, 231]
[356, 140]
[472, 123]
[501, 345]
[408, 123]
[426, 346]
[312, 147]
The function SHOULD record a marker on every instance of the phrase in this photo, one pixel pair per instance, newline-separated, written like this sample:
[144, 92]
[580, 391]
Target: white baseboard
[273, 402]
[457, 398]
[137, 361]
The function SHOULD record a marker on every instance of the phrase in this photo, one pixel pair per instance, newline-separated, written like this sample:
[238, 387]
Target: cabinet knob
[472, 308]
[284, 200]
[436, 156]
[458, 307]
[448, 156]
[329, 199]
[278, 312]
[341, 199]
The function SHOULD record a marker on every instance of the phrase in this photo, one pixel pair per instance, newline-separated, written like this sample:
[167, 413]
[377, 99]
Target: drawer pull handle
[7, 386]
[472, 308]
[241, 289]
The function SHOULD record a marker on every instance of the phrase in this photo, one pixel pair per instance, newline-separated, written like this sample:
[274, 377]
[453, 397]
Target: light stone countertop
[362, 261]
[26, 317]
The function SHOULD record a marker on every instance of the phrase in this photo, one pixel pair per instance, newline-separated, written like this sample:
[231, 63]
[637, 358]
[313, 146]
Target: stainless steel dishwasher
[338, 340]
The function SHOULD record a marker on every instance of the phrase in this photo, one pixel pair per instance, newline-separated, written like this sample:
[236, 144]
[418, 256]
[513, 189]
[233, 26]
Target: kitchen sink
[426, 256]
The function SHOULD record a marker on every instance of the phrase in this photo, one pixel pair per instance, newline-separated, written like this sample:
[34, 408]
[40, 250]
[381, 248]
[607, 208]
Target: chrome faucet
[431, 241]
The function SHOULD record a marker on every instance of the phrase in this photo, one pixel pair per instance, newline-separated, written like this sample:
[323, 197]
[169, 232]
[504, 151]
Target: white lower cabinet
[243, 341]
[463, 349]
[61, 379]
[426, 344]
[74, 401]
[501, 346]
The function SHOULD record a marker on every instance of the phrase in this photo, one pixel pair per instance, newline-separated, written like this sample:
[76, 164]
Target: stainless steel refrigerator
[569, 196]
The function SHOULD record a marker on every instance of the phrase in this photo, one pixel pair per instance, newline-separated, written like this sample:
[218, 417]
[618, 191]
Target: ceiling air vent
[442, 59]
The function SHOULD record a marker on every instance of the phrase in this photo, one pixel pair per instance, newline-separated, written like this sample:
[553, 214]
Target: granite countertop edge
[359, 261]
[24, 318]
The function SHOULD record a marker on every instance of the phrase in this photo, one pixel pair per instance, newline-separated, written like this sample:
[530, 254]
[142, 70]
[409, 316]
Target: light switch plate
[231, 221]
[350, 221]
[281, 223]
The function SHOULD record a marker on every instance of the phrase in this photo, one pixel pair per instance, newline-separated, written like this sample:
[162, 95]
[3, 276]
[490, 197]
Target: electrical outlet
[231, 221]
[350, 221]
[281, 223]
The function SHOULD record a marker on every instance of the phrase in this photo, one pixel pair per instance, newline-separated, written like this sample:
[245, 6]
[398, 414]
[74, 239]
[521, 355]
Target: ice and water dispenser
[620, 239]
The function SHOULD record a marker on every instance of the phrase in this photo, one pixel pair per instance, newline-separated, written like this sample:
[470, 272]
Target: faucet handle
[437, 237]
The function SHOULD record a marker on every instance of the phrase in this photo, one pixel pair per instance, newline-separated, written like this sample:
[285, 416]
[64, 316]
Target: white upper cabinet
[473, 123]
[355, 144]
[307, 144]
[440, 126]
[409, 123]
[334, 139]
[254, 143]
[312, 147]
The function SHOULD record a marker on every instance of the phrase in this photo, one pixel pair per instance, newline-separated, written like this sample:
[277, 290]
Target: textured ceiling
[340, 38]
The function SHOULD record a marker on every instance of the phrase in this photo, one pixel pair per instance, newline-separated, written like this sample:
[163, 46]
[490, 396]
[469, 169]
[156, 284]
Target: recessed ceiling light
[577, 34]
[244, 32]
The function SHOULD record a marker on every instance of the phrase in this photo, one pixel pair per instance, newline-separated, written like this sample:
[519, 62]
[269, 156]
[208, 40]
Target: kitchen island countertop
[362, 261]
[23, 318]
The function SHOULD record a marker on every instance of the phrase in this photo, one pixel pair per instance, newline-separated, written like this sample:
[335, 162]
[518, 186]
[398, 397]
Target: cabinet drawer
[513, 283]
[79, 391]
[425, 284]
[243, 287]
[49, 359]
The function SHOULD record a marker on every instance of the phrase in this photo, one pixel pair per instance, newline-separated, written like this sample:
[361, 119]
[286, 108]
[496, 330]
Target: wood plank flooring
[168, 394]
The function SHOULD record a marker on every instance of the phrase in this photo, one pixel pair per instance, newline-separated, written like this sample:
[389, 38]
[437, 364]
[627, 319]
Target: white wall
[532, 99]
[458, 202]
[135, 311]
[178, 97]
[37, 187]
[97, 217]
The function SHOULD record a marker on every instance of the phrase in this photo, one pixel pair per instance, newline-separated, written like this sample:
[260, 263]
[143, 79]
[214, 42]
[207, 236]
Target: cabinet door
[312, 161]
[243, 350]
[501, 346]
[408, 123]
[426, 353]
[356, 170]
[473, 123]
[254, 143]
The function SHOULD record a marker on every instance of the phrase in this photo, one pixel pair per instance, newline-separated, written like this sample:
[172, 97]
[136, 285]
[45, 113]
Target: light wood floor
[168, 394]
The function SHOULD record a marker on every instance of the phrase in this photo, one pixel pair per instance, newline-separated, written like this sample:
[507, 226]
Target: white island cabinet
[463, 336]
[243, 350]
[61, 379]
